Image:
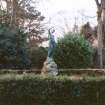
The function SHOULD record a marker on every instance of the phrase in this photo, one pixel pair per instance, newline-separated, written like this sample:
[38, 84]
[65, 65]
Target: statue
[52, 43]
[50, 67]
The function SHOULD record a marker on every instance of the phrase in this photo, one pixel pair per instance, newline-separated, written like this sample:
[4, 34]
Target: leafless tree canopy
[21, 14]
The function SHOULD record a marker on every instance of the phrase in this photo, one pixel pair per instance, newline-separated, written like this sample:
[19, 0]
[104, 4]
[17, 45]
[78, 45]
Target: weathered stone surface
[49, 67]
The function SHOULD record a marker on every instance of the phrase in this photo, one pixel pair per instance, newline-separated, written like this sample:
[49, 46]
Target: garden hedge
[36, 90]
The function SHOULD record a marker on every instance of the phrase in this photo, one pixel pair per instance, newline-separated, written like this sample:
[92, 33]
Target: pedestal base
[49, 68]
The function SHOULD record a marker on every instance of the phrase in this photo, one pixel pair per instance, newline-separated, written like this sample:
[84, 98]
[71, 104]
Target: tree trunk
[103, 20]
[14, 6]
[100, 43]
[100, 33]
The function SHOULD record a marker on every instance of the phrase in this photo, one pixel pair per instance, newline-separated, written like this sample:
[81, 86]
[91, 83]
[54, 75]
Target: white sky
[62, 13]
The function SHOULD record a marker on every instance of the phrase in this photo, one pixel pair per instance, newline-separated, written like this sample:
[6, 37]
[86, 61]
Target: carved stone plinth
[49, 68]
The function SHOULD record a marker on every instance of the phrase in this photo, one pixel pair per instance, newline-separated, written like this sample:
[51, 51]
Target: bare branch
[97, 3]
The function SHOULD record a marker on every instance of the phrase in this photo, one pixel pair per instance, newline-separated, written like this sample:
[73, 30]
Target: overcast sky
[62, 13]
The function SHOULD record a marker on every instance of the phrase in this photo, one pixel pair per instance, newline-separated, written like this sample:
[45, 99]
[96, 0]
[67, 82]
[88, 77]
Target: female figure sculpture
[50, 67]
[52, 43]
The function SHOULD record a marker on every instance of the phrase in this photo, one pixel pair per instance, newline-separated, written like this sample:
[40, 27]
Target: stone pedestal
[49, 68]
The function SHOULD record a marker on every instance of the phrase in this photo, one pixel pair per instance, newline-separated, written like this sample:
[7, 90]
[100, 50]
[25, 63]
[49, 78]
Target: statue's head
[51, 30]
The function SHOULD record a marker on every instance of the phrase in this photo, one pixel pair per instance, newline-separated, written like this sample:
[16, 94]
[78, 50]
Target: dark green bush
[36, 90]
[73, 51]
[37, 56]
[13, 48]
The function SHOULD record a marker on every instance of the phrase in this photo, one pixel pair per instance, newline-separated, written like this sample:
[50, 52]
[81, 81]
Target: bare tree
[22, 14]
[100, 32]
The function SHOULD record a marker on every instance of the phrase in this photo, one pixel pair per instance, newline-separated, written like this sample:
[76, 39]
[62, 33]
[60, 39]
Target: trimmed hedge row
[36, 90]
